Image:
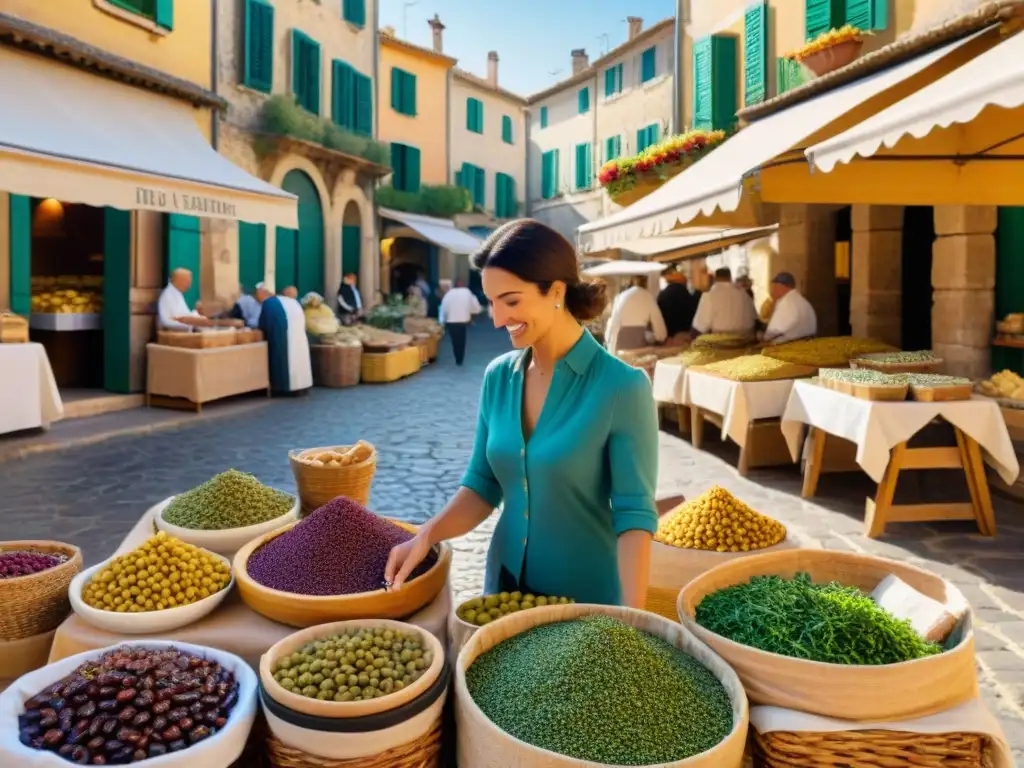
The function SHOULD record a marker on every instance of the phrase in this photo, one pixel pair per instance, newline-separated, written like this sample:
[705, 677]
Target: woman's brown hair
[536, 253]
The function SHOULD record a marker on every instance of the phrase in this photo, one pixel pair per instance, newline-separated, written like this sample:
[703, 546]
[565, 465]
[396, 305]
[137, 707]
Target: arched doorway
[351, 239]
[300, 252]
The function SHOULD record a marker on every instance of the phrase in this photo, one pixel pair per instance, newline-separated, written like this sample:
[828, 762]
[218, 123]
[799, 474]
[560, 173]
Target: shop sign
[180, 202]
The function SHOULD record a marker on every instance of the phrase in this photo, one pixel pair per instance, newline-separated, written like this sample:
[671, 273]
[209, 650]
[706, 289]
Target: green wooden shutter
[499, 195]
[396, 89]
[412, 169]
[163, 14]
[465, 178]
[343, 96]
[363, 105]
[545, 175]
[252, 254]
[480, 187]
[354, 12]
[511, 203]
[724, 101]
[789, 74]
[506, 129]
[351, 246]
[306, 71]
[409, 94]
[117, 312]
[543, 117]
[471, 115]
[182, 249]
[702, 114]
[755, 54]
[258, 58]
[609, 149]
[20, 208]
[822, 15]
[398, 165]
[583, 166]
[867, 14]
[618, 77]
[610, 81]
[583, 99]
[286, 257]
[648, 64]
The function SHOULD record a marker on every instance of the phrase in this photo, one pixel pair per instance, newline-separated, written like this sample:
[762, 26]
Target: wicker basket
[35, 604]
[318, 485]
[13, 328]
[424, 752]
[867, 749]
[197, 340]
[390, 366]
[336, 365]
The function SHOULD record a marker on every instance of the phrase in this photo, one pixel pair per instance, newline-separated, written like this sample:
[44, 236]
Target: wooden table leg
[812, 466]
[974, 470]
[696, 427]
[878, 509]
[683, 418]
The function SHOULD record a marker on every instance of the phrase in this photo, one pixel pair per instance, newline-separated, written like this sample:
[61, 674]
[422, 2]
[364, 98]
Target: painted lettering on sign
[196, 205]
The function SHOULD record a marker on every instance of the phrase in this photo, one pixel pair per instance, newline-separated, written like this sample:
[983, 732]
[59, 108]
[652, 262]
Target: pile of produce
[925, 356]
[341, 339]
[232, 499]
[861, 376]
[757, 368]
[357, 454]
[162, 573]
[130, 704]
[67, 294]
[824, 352]
[723, 340]
[704, 355]
[429, 325]
[933, 380]
[716, 521]
[830, 623]
[1005, 384]
[340, 549]
[23, 562]
[484, 610]
[369, 336]
[320, 319]
[600, 690]
[356, 665]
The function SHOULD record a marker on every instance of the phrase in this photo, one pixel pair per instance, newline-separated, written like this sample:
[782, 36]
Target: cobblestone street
[423, 428]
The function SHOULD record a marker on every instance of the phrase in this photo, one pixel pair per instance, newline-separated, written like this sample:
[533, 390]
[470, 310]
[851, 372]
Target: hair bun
[586, 300]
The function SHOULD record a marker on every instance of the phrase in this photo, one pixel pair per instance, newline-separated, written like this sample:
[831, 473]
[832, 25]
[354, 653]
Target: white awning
[994, 78]
[716, 180]
[82, 138]
[440, 232]
[623, 267]
[689, 239]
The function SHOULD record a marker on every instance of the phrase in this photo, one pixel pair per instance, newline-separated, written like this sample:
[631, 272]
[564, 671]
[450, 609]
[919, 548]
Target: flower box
[830, 50]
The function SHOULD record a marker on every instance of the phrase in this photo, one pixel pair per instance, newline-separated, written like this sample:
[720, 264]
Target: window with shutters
[405, 162]
[505, 204]
[789, 74]
[648, 64]
[822, 15]
[474, 115]
[613, 81]
[543, 117]
[506, 129]
[157, 15]
[755, 54]
[473, 179]
[354, 12]
[549, 174]
[583, 100]
[351, 99]
[584, 167]
[867, 14]
[647, 136]
[403, 92]
[258, 46]
[306, 71]
[714, 91]
[612, 148]
[364, 105]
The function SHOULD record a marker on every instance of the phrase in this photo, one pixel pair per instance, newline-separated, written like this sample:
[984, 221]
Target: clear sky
[533, 38]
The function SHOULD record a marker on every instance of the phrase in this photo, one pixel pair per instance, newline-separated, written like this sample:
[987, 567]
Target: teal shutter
[724, 101]
[363, 105]
[618, 77]
[182, 248]
[398, 165]
[755, 54]
[396, 89]
[584, 167]
[480, 187]
[258, 58]
[252, 254]
[545, 176]
[474, 115]
[117, 286]
[343, 95]
[351, 245]
[163, 14]
[789, 74]
[823, 15]
[412, 169]
[408, 94]
[511, 203]
[354, 12]
[648, 64]
[506, 129]
[306, 71]
[543, 117]
[611, 80]
[702, 115]
[554, 173]
[20, 208]
[867, 14]
[499, 195]
[465, 178]
[609, 149]
[286, 257]
[583, 99]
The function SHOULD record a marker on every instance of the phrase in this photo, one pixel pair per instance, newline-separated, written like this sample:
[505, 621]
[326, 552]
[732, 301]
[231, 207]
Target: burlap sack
[481, 744]
[850, 692]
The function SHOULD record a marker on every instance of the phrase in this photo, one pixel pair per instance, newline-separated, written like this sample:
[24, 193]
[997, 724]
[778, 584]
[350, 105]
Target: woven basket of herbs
[34, 591]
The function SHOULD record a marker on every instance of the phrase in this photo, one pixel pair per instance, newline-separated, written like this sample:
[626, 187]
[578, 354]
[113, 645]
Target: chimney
[580, 60]
[492, 68]
[438, 28]
[636, 24]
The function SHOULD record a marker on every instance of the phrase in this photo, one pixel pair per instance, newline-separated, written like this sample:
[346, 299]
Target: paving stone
[1000, 661]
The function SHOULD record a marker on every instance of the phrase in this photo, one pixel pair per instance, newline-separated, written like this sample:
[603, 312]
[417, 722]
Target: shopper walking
[457, 310]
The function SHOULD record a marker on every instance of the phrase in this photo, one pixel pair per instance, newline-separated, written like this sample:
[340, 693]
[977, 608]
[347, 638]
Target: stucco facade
[488, 148]
[338, 185]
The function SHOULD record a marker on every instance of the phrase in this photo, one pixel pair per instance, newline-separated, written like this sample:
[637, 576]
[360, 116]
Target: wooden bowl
[332, 709]
[308, 610]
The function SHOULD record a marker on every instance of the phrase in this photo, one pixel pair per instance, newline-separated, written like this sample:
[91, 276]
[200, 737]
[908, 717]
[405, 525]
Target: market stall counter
[177, 376]
[28, 389]
[881, 431]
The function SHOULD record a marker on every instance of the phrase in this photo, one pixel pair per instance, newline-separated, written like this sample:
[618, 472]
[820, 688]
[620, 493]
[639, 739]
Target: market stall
[28, 390]
[881, 431]
[189, 377]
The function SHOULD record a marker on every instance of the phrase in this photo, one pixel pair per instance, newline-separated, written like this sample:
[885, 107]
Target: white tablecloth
[668, 382]
[28, 393]
[877, 427]
[737, 402]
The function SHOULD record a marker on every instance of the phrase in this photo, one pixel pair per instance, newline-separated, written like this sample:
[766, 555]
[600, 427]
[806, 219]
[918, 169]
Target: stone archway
[299, 259]
[351, 239]
[352, 207]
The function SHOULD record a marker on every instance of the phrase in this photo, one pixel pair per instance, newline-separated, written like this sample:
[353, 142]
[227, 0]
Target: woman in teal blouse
[566, 439]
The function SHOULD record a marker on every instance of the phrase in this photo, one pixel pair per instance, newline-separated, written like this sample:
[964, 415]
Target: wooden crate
[380, 368]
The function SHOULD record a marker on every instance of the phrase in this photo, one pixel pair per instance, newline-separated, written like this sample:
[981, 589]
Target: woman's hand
[404, 558]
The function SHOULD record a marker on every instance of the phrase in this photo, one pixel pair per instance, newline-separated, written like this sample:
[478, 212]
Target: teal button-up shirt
[586, 475]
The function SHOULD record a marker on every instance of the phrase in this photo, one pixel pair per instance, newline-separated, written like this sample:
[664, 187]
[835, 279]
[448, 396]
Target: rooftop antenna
[604, 36]
[405, 17]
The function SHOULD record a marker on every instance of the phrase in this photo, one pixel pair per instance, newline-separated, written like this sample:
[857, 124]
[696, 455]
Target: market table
[176, 375]
[747, 412]
[28, 390]
[667, 385]
[881, 431]
[233, 627]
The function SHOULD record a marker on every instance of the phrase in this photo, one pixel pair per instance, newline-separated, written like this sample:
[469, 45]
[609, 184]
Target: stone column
[876, 272]
[807, 251]
[219, 264]
[963, 280]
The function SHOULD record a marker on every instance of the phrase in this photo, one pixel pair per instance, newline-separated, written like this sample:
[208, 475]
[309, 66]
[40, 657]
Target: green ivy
[442, 200]
[281, 116]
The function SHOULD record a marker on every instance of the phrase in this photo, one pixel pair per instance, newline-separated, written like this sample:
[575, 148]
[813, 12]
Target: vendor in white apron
[634, 312]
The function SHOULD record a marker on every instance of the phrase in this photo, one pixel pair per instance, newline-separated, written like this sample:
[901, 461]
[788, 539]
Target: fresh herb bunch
[830, 623]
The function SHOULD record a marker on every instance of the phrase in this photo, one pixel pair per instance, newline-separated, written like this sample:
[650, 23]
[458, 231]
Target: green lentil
[598, 689]
[862, 376]
[934, 380]
[899, 358]
[232, 499]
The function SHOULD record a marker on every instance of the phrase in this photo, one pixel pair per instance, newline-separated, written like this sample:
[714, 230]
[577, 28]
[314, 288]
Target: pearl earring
[558, 306]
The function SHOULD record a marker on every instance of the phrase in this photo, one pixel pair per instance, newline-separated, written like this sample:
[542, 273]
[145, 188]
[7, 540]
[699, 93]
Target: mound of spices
[129, 705]
[22, 562]
[830, 623]
[232, 499]
[600, 690]
[716, 521]
[340, 549]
